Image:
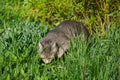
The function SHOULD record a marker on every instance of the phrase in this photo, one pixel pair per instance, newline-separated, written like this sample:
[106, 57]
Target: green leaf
[1, 30]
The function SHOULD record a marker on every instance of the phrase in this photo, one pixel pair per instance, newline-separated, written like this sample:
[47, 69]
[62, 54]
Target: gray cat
[56, 42]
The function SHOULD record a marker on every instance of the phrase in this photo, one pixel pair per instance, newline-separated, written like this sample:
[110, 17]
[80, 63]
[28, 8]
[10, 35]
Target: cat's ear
[40, 47]
[54, 47]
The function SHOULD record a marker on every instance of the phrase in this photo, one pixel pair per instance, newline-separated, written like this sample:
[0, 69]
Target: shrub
[97, 15]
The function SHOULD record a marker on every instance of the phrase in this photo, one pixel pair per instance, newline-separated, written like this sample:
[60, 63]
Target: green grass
[99, 59]
[20, 33]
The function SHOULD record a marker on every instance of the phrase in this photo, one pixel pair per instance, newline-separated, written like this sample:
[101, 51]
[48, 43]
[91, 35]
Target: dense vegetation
[23, 23]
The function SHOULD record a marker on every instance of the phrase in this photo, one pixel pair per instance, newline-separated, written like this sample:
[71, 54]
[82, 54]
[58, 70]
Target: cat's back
[69, 24]
[72, 28]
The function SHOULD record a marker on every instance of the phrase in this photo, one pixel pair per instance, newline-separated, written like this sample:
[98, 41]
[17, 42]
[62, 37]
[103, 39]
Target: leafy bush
[97, 15]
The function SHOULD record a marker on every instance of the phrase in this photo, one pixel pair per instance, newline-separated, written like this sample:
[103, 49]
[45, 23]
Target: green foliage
[94, 14]
[20, 31]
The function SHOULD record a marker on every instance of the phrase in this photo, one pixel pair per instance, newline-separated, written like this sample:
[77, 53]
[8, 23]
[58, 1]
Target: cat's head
[47, 50]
